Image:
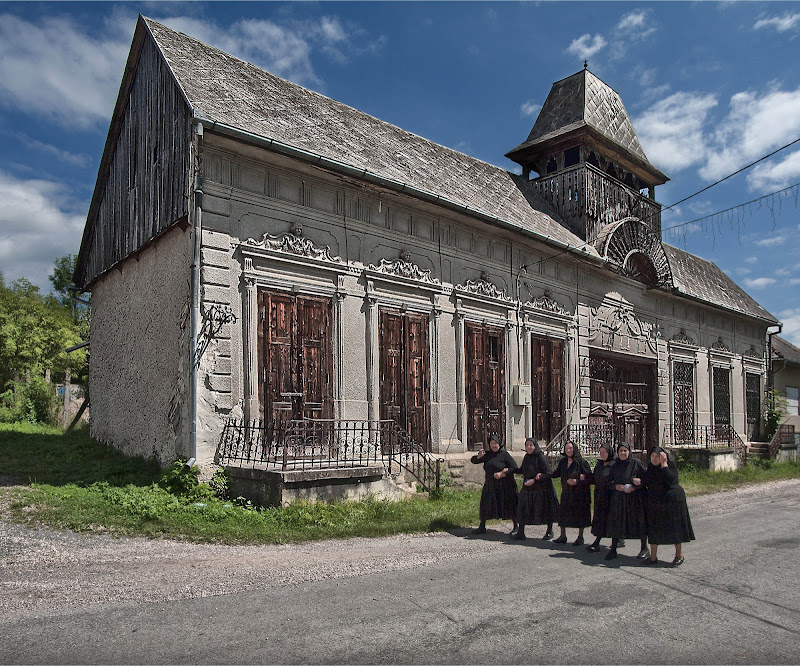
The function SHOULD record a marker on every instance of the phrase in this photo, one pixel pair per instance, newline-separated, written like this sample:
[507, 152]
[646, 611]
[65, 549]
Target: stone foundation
[714, 460]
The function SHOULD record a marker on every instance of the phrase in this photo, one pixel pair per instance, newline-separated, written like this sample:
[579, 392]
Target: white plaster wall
[139, 345]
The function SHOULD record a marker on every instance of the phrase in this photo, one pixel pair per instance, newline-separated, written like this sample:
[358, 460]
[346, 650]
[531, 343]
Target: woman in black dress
[538, 504]
[626, 509]
[576, 498]
[667, 515]
[499, 495]
[601, 477]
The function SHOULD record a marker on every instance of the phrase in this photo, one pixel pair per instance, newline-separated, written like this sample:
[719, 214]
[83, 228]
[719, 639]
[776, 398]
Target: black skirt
[626, 515]
[667, 517]
[602, 499]
[575, 506]
[499, 499]
[538, 504]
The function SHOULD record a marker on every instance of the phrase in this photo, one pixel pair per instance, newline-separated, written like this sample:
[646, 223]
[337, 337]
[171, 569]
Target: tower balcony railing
[588, 199]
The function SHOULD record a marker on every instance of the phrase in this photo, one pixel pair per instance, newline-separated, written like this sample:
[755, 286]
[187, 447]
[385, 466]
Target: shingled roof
[705, 281]
[584, 101]
[784, 350]
[231, 93]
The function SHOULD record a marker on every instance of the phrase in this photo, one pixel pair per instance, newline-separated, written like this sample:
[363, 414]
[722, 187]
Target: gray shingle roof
[227, 90]
[704, 280]
[785, 350]
[580, 100]
[224, 89]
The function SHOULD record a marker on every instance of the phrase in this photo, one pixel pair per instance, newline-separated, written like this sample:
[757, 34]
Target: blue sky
[709, 87]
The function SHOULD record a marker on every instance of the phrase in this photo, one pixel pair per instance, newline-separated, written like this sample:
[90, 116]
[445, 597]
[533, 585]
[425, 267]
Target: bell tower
[583, 157]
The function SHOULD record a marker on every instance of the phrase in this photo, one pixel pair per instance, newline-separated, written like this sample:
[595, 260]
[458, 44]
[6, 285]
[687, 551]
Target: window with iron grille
[722, 395]
[793, 401]
[753, 397]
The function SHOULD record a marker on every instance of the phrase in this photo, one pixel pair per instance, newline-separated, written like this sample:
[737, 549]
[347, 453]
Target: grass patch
[69, 481]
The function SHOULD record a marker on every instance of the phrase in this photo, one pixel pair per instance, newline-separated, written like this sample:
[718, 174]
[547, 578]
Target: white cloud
[751, 260]
[791, 325]
[40, 223]
[783, 272]
[742, 270]
[771, 176]
[73, 159]
[671, 131]
[58, 70]
[530, 108]
[755, 125]
[772, 241]
[586, 46]
[793, 282]
[760, 283]
[634, 25]
[781, 23]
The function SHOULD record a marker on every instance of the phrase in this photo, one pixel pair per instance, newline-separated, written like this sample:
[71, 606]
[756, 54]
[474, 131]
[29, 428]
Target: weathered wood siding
[143, 186]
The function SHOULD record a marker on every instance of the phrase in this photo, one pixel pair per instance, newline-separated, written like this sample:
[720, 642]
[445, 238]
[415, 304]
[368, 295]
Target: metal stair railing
[327, 444]
[784, 435]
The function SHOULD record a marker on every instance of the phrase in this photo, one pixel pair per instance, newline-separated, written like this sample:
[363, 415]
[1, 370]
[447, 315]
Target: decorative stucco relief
[720, 346]
[682, 338]
[752, 353]
[403, 268]
[483, 288]
[617, 328]
[547, 304]
[294, 244]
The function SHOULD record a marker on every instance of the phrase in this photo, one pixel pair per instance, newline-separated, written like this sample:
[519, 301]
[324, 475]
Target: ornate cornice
[405, 269]
[483, 288]
[752, 353]
[297, 245]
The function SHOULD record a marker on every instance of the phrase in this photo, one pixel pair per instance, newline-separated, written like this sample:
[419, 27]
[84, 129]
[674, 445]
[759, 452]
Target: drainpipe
[770, 374]
[197, 232]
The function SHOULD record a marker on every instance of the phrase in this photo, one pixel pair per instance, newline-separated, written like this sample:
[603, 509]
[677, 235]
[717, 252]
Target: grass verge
[69, 481]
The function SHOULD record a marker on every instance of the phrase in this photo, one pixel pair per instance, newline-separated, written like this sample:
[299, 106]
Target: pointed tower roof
[581, 105]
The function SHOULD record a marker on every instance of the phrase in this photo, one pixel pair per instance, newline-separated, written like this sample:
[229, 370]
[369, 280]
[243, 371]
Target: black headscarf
[625, 470]
[611, 455]
[576, 457]
[658, 449]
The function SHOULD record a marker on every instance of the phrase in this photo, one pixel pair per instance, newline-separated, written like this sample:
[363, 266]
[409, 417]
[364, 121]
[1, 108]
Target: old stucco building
[320, 262]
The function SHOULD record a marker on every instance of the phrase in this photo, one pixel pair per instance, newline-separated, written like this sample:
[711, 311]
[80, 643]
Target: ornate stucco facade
[349, 270]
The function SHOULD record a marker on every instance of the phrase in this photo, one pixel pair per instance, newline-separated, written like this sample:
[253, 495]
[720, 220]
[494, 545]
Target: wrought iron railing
[588, 436]
[705, 437]
[784, 436]
[584, 192]
[326, 444]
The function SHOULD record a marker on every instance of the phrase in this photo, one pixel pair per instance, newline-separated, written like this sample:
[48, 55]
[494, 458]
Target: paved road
[445, 598]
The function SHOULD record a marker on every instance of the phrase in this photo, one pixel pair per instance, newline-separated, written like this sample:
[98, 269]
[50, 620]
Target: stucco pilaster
[373, 397]
[250, 334]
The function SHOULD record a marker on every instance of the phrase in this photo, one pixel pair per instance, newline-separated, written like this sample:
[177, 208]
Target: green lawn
[69, 481]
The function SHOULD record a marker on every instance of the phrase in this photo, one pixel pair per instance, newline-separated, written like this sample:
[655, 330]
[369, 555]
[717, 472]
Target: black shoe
[561, 539]
[479, 530]
[611, 554]
[621, 543]
[644, 553]
[677, 561]
[547, 535]
[513, 532]
[578, 541]
[594, 548]
[519, 536]
[649, 561]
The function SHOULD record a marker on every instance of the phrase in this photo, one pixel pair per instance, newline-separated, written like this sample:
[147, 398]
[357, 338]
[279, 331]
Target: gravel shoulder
[45, 571]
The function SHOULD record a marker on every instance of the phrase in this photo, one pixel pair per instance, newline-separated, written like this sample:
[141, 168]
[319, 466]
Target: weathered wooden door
[683, 401]
[294, 356]
[622, 393]
[404, 373]
[484, 383]
[548, 388]
[752, 401]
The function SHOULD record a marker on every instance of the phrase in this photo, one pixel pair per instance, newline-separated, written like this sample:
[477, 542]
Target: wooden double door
[547, 387]
[294, 356]
[405, 373]
[485, 384]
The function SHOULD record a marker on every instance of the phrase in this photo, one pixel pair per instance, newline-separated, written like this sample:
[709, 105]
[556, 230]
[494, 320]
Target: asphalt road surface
[437, 598]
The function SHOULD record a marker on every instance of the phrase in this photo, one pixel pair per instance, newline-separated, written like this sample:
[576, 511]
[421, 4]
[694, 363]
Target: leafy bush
[34, 402]
[219, 483]
[179, 480]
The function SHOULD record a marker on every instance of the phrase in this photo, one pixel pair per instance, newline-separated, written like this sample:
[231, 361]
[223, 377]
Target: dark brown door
[404, 373]
[683, 401]
[294, 355]
[622, 394]
[548, 388]
[485, 383]
[752, 388]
